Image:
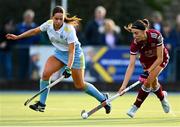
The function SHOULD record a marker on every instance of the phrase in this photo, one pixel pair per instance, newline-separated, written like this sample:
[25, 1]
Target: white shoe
[165, 103]
[132, 111]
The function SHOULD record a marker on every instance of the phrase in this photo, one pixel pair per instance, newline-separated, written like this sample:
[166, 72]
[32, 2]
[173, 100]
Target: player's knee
[147, 84]
[45, 76]
[155, 85]
[146, 88]
[78, 86]
[150, 81]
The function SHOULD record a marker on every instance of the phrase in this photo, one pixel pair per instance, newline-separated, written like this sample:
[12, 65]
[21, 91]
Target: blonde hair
[110, 23]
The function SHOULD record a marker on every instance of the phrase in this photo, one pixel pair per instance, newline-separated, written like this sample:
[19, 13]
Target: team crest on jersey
[52, 39]
[61, 36]
[154, 35]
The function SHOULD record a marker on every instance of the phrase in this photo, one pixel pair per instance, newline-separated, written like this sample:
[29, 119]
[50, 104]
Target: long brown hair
[70, 20]
[138, 24]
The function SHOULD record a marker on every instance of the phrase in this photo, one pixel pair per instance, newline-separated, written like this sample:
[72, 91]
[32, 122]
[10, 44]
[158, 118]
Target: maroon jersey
[148, 49]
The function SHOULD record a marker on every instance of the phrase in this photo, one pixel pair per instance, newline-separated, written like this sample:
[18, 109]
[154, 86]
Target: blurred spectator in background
[167, 28]
[90, 73]
[24, 44]
[156, 22]
[34, 68]
[92, 33]
[110, 33]
[175, 37]
[6, 49]
[80, 34]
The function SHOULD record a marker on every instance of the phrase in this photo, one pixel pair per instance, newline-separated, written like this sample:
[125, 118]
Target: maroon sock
[159, 93]
[141, 97]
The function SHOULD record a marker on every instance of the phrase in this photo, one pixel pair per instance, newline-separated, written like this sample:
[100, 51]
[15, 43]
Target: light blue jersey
[61, 39]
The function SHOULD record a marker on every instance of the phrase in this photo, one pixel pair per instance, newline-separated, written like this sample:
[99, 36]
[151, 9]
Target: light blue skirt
[79, 61]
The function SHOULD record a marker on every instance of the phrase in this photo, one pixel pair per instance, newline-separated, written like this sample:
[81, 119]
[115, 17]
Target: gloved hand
[143, 77]
[67, 72]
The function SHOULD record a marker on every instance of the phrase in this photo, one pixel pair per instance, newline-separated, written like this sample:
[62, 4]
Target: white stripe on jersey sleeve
[133, 53]
[159, 44]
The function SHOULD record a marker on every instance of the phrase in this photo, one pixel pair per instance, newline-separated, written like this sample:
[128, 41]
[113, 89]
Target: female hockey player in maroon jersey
[153, 57]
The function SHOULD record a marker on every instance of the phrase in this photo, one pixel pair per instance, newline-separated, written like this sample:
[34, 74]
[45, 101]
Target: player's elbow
[35, 31]
[131, 65]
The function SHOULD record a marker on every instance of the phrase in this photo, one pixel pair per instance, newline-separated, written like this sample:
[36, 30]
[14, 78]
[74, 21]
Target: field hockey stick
[46, 88]
[85, 114]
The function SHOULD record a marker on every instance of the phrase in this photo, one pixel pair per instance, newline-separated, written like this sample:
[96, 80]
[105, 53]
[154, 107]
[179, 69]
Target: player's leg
[143, 93]
[162, 95]
[52, 65]
[78, 77]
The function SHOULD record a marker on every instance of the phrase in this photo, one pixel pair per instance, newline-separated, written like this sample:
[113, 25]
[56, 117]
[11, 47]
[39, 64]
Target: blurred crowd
[99, 31]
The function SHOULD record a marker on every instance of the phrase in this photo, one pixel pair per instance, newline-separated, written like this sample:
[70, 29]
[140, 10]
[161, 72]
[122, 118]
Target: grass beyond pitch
[63, 109]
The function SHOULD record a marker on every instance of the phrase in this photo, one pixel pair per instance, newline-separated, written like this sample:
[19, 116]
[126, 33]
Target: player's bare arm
[129, 72]
[28, 33]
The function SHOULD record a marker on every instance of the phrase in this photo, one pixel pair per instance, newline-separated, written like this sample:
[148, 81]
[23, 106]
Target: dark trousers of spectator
[23, 63]
[178, 65]
[6, 65]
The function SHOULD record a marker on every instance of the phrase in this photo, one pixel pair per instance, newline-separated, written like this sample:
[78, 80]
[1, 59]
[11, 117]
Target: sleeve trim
[133, 53]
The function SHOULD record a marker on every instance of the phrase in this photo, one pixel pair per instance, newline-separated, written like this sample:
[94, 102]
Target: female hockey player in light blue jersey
[68, 53]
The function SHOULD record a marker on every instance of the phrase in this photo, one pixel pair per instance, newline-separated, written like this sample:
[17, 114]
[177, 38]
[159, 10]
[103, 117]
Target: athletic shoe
[107, 106]
[132, 111]
[165, 103]
[38, 106]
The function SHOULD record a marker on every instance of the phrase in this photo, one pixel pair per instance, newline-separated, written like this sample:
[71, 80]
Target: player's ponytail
[72, 20]
[146, 23]
[128, 27]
